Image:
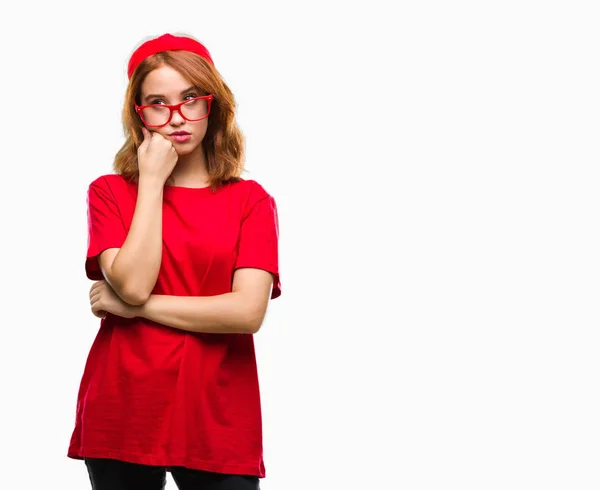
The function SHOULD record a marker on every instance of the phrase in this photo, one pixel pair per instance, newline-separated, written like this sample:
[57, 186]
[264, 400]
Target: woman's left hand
[103, 299]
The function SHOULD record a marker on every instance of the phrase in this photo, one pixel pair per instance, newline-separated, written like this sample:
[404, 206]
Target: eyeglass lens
[193, 110]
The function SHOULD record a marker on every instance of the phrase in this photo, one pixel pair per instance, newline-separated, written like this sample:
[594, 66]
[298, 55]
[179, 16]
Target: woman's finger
[95, 295]
[96, 302]
[95, 286]
[99, 313]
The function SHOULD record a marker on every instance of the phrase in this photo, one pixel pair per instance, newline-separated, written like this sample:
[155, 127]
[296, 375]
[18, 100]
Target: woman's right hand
[156, 157]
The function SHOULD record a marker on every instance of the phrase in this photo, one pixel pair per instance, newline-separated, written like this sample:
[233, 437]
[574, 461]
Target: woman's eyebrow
[152, 96]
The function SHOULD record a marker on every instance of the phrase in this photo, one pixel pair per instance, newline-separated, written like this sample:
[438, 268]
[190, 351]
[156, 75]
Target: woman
[184, 254]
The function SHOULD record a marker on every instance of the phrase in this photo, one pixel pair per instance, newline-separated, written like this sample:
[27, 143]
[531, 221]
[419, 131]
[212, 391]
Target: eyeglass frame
[174, 107]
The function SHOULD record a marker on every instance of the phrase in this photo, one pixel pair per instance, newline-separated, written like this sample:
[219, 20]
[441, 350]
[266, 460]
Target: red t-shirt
[155, 395]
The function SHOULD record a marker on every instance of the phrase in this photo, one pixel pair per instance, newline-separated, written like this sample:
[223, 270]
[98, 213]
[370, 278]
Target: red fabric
[166, 42]
[155, 395]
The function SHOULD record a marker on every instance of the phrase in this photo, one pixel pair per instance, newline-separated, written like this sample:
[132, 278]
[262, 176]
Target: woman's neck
[191, 170]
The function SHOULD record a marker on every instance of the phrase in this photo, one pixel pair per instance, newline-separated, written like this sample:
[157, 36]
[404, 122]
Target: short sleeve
[105, 226]
[258, 241]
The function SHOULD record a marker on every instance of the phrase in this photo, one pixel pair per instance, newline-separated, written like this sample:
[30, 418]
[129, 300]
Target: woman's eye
[158, 101]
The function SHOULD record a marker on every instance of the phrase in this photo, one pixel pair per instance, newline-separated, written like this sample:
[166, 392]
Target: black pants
[111, 474]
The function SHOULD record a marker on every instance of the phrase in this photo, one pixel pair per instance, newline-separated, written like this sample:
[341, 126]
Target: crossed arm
[240, 311]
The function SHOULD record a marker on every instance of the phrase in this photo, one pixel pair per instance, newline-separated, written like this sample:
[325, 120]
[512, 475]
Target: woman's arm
[241, 311]
[132, 270]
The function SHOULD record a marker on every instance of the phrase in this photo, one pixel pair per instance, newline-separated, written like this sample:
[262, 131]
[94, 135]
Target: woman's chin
[182, 150]
[185, 149]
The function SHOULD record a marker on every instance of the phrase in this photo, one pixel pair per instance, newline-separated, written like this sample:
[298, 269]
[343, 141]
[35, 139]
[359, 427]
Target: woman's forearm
[225, 313]
[135, 267]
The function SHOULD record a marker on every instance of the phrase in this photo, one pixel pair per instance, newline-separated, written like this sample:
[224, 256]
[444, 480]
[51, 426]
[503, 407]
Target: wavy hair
[223, 142]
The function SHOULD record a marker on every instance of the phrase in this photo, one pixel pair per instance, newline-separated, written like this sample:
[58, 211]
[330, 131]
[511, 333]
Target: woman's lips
[180, 138]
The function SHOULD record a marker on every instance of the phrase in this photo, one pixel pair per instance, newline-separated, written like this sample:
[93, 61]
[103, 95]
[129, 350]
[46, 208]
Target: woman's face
[167, 86]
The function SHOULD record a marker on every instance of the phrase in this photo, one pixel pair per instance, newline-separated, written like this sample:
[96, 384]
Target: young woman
[185, 257]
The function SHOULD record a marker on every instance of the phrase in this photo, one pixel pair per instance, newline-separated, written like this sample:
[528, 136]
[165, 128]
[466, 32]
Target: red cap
[166, 42]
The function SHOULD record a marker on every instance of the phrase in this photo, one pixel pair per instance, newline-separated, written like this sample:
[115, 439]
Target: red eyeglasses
[158, 115]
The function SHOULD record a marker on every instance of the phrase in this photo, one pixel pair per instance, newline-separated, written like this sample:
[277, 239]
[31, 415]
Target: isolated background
[436, 170]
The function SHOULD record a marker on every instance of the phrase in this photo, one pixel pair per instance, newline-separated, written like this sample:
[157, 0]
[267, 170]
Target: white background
[435, 165]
